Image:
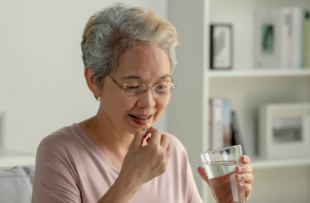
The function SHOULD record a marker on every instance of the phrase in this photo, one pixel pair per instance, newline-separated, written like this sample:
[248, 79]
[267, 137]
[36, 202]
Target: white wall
[42, 87]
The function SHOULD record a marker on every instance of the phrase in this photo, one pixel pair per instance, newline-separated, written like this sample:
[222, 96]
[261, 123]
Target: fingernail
[239, 176]
[241, 184]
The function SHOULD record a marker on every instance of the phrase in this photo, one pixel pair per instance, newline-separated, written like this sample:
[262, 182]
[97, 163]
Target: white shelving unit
[286, 180]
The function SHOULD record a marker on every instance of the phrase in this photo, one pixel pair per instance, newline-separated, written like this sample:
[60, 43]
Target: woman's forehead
[143, 61]
[138, 77]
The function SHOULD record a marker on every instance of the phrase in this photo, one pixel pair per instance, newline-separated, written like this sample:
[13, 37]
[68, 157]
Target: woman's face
[143, 64]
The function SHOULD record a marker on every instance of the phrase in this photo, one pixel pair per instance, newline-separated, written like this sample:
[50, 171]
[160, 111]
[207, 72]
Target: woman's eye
[132, 87]
[161, 87]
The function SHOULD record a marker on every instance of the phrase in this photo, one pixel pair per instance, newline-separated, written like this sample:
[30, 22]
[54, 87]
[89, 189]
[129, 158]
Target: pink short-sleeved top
[70, 168]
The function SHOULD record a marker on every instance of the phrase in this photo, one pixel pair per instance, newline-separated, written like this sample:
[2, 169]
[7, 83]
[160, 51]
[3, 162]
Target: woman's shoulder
[60, 138]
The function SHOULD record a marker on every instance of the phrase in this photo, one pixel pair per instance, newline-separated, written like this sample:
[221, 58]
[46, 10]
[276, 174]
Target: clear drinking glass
[220, 165]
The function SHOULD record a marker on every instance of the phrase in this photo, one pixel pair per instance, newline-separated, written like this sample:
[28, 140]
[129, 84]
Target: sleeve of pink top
[55, 179]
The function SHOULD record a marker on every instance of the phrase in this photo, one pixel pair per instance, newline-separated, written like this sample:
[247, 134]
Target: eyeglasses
[134, 89]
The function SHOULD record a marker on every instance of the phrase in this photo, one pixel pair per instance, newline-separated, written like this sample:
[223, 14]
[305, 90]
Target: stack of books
[282, 38]
[223, 125]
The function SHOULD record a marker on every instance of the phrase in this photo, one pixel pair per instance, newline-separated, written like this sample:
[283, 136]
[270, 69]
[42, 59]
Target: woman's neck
[108, 138]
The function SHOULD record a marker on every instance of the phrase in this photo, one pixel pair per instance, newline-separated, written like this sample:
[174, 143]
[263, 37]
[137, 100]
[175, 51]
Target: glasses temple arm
[173, 82]
[116, 82]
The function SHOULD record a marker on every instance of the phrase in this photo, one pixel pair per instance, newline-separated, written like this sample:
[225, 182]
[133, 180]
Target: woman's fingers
[245, 159]
[165, 141]
[244, 173]
[169, 151]
[203, 174]
[246, 168]
[245, 186]
[159, 139]
[142, 164]
[155, 136]
[147, 140]
[247, 189]
[138, 138]
[246, 177]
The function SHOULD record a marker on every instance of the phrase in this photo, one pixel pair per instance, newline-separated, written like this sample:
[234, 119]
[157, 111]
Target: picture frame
[221, 46]
[284, 130]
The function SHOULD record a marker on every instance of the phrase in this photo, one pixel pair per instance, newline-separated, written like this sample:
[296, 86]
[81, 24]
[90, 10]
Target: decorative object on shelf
[221, 37]
[284, 130]
[2, 148]
[282, 38]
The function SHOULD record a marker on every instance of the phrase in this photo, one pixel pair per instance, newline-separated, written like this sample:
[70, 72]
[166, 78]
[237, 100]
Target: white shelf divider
[234, 73]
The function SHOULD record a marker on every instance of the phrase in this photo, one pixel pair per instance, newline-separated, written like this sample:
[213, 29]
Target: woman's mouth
[140, 120]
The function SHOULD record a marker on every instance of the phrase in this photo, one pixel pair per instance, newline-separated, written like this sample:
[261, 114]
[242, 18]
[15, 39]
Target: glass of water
[220, 166]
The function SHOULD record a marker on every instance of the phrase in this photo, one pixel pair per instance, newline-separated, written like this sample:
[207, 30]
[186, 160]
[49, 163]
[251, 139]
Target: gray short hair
[118, 28]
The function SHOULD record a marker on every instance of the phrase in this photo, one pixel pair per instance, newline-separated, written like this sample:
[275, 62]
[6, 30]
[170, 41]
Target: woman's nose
[147, 99]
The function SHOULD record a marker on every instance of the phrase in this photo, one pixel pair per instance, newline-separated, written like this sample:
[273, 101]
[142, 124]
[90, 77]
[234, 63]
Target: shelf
[13, 158]
[235, 73]
[266, 164]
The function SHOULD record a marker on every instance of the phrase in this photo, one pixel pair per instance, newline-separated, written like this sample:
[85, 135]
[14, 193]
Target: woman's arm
[54, 180]
[140, 165]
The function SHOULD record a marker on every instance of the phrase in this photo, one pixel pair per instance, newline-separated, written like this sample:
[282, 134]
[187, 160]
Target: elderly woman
[128, 54]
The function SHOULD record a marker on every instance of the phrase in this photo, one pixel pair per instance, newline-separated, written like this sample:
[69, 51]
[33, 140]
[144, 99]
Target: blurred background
[42, 83]
[42, 86]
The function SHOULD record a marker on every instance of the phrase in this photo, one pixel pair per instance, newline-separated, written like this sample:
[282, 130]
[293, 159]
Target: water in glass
[223, 182]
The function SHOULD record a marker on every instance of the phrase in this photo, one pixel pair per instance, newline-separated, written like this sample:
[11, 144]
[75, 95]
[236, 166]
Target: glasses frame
[123, 87]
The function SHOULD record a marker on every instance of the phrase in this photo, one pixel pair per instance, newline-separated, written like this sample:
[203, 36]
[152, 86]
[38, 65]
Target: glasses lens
[133, 89]
[171, 87]
[161, 89]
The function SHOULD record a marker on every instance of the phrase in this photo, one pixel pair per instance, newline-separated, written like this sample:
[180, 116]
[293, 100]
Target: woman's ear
[91, 82]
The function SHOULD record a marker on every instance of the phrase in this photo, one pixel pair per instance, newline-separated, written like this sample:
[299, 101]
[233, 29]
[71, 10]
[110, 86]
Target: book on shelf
[220, 121]
[282, 38]
[224, 129]
[215, 119]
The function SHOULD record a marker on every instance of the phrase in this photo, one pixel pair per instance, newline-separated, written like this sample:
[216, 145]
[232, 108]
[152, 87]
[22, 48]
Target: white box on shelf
[2, 145]
[284, 130]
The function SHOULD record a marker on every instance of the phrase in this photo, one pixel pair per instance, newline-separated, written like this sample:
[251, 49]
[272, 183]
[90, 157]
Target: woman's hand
[243, 173]
[142, 164]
